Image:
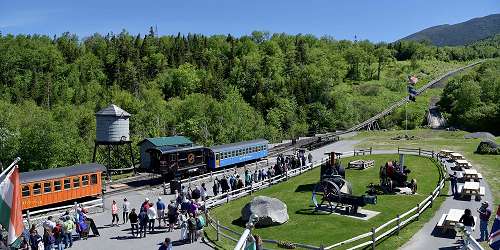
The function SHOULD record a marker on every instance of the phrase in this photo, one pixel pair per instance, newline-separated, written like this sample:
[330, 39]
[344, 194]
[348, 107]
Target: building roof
[170, 149]
[113, 110]
[169, 141]
[53, 173]
[238, 145]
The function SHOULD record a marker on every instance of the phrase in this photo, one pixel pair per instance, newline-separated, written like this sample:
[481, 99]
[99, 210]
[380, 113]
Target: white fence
[369, 238]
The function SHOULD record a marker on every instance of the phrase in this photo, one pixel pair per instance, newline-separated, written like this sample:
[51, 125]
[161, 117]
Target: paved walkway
[428, 238]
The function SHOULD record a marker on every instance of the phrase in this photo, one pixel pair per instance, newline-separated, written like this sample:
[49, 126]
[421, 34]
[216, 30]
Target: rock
[270, 211]
[480, 135]
[488, 147]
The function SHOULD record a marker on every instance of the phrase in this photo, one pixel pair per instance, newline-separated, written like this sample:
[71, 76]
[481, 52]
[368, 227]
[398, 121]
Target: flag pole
[10, 166]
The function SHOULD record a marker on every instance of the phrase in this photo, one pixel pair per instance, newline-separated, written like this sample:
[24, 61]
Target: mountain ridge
[463, 33]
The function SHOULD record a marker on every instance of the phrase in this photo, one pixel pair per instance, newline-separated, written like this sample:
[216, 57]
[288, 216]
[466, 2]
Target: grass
[316, 229]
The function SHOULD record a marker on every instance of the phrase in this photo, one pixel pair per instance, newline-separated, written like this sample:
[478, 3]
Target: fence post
[373, 238]
[218, 229]
[370, 150]
[321, 247]
[227, 198]
[419, 151]
[251, 187]
[418, 210]
[399, 224]
[28, 217]
[432, 153]
[398, 149]
[354, 152]
[432, 196]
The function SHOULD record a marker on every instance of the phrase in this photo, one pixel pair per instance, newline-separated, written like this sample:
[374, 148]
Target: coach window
[76, 182]
[47, 187]
[67, 183]
[217, 156]
[37, 188]
[93, 179]
[85, 180]
[57, 185]
[26, 191]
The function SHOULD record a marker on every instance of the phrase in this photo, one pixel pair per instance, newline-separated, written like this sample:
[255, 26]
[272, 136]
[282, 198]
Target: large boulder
[270, 211]
[480, 135]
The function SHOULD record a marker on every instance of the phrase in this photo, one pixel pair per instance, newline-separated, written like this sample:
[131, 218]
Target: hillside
[460, 33]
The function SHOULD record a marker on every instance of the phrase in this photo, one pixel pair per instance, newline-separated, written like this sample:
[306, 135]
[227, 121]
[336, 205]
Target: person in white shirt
[126, 210]
[152, 217]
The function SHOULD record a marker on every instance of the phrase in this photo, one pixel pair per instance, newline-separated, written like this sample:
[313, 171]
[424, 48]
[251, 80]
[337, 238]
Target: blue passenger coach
[221, 156]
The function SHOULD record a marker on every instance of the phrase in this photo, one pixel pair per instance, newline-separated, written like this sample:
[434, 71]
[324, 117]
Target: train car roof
[171, 149]
[53, 173]
[237, 145]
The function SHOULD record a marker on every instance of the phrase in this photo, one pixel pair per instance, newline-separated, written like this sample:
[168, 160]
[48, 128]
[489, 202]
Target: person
[68, 226]
[215, 187]
[58, 235]
[145, 205]
[134, 223]
[183, 218]
[172, 215]
[310, 157]
[193, 207]
[151, 212]
[200, 223]
[453, 182]
[468, 220]
[48, 239]
[81, 226]
[192, 228]
[160, 208]
[126, 210]
[196, 193]
[49, 224]
[91, 222]
[166, 245]
[143, 222]
[114, 214]
[24, 245]
[484, 217]
[258, 242]
[36, 241]
[203, 192]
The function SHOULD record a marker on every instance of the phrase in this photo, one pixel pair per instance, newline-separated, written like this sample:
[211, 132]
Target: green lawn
[487, 165]
[317, 229]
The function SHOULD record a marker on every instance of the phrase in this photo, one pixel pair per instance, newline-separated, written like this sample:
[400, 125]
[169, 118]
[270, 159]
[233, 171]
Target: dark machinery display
[334, 190]
[394, 175]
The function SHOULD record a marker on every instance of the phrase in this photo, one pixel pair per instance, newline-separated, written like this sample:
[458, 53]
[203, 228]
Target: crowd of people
[233, 181]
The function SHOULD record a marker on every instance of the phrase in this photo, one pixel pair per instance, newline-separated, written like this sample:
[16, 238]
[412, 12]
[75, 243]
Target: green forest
[215, 89]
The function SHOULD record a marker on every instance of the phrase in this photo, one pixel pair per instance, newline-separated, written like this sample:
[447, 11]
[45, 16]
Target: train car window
[253, 149]
[217, 156]
[93, 179]
[67, 183]
[37, 188]
[85, 180]
[76, 182]
[57, 185]
[26, 191]
[47, 187]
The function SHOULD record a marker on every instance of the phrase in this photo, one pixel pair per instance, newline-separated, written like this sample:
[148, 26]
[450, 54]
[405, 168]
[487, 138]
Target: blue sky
[375, 20]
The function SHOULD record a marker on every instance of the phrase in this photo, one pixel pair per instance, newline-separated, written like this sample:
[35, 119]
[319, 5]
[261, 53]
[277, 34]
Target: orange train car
[51, 186]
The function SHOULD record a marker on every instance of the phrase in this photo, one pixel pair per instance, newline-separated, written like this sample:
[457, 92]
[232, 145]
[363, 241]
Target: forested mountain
[214, 89]
[461, 33]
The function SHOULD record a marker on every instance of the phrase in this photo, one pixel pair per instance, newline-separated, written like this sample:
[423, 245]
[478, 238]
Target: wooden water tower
[113, 147]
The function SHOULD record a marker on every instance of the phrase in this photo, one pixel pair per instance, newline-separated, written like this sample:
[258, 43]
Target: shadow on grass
[305, 188]
[312, 211]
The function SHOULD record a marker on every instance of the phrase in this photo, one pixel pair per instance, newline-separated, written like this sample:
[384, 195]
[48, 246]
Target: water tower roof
[113, 110]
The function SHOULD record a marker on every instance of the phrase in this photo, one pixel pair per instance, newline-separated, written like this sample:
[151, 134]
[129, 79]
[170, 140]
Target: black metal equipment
[335, 190]
[393, 175]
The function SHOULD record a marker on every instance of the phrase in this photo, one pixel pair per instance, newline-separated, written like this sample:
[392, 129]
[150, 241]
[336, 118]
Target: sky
[375, 20]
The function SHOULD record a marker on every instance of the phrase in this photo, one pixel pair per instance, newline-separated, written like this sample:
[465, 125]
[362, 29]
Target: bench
[441, 221]
[482, 191]
[479, 176]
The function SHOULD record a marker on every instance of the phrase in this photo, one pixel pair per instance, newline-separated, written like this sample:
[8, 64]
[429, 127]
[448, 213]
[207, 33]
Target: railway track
[313, 142]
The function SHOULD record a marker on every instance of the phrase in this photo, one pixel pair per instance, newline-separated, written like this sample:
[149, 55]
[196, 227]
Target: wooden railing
[369, 238]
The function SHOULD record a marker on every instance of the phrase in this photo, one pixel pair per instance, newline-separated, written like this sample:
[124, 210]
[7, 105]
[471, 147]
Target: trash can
[175, 185]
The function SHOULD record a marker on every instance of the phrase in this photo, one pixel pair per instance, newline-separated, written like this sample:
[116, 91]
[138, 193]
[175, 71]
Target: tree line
[213, 89]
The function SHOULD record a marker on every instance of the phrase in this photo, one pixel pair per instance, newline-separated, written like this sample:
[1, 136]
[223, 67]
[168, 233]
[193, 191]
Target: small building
[161, 144]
